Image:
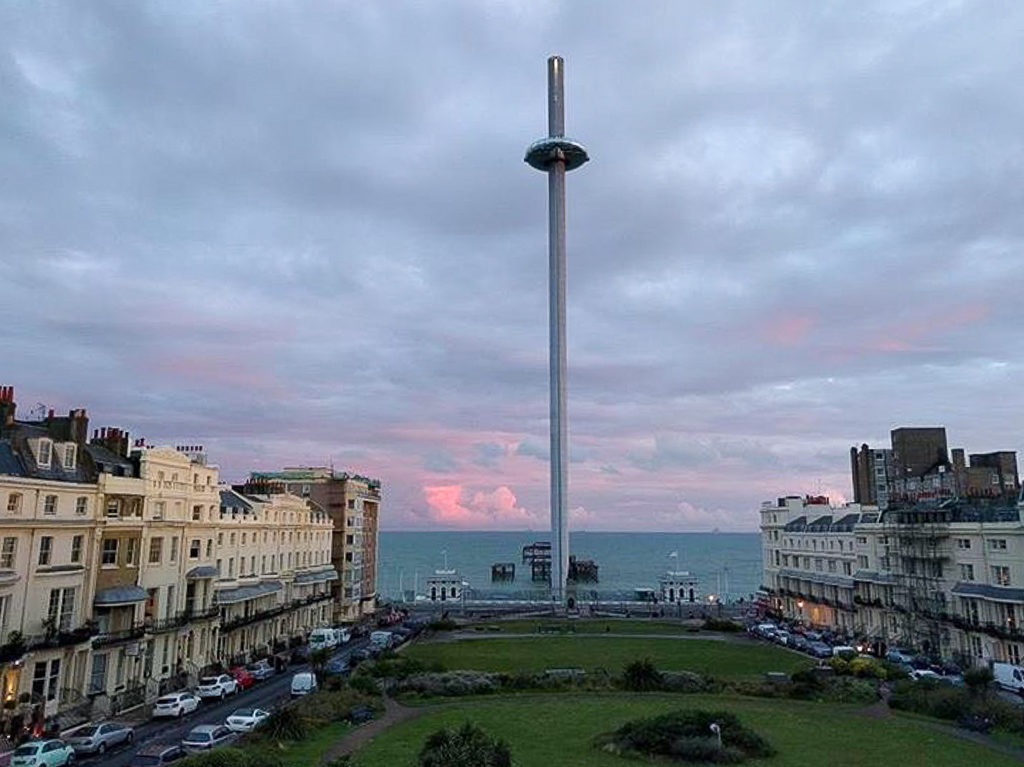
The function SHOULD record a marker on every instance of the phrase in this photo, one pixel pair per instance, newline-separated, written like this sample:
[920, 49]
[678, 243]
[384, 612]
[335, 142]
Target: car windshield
[166, 701]
[208, 680]
[243, 712]
[198, 737]
[28, 750]
[86, 732]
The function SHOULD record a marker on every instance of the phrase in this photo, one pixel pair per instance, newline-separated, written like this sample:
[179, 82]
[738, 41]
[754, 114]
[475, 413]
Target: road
[267, 695]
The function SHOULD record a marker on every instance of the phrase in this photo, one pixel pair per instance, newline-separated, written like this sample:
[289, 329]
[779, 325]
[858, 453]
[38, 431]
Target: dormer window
[70, 454]
[45, 453]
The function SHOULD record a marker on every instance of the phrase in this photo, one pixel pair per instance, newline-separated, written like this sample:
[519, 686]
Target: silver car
[207, 736]
[98, 738]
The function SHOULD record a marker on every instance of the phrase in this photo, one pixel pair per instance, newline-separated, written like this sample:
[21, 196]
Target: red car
[244, 678]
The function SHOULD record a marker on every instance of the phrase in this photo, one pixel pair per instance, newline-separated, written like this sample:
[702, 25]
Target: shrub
[870, 668]
[443, 624]
[323, 707]
[641, 676]
[365, 684]
[469, 746]
[722, 624]
[449, 683]
[286, 723]
[399, 666]
[977, 679]
[687, 736]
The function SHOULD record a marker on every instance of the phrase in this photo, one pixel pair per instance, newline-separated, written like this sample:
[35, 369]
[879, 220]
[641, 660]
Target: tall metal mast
[555, 155]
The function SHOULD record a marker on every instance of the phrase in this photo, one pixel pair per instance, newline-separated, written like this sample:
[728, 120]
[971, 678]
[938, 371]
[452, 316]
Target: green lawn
[307, 752]
[560, 731]
[725, 659]
[587, 626]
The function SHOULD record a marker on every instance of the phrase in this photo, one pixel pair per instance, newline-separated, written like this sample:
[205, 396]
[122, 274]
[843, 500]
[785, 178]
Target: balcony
[106, 638]
[55, 637]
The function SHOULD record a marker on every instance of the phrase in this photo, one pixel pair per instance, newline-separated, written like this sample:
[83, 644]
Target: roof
[330, 574]
[119, 595]
[203, 571]
[9, 462]
[242, 593]
[233, 500]
[109, 461]
[994, 593]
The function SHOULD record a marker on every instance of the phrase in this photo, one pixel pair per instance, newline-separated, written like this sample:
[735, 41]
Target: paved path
[456, 636]
[394, 712]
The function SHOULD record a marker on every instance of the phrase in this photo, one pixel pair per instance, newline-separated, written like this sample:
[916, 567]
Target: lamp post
[555, 155]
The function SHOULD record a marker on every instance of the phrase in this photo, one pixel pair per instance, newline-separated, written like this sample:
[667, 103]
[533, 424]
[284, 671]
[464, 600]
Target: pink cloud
[788, 330]
[452, 505]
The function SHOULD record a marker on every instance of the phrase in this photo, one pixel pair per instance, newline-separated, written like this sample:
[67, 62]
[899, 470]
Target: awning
[243, 593]
[203, 571]
[119, 595]
[319, 576]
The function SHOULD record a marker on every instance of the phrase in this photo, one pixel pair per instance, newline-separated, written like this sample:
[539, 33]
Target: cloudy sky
[302, 233]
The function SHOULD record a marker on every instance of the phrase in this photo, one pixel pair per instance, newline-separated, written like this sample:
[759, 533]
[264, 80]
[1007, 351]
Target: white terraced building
[943, 577]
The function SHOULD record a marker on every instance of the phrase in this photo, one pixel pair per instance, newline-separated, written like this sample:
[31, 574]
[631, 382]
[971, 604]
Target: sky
[303, 233]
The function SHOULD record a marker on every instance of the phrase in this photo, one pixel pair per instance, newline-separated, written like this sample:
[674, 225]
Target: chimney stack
[113, 439]
[7, 406]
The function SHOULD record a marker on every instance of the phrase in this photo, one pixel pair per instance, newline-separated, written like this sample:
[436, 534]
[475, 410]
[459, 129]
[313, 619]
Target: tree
[977, 679]
[318, 660]
[641, 676]
[469, 746]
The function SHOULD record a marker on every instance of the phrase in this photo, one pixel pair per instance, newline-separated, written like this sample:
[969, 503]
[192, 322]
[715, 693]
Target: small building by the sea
[445, 585]
[679, 586]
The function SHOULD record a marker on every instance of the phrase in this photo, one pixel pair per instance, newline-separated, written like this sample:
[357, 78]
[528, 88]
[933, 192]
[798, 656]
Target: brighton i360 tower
[555, 155]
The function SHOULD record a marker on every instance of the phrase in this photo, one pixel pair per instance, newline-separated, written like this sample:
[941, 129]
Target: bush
[286, 723]
[395, 666]
[365, 684]
[977, 679]
[469, 746]
[324, 707]
[870, 668]
[641, 676]
[448, 683]
[231, 757]
[687, 736]
[444, 624]
[722, 624]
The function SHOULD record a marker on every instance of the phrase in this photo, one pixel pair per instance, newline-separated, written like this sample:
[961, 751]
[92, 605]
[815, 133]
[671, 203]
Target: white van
[323, 639]
[844, 651]
[381, 639]
[343, 635]
[303, 683]
[1009, 677]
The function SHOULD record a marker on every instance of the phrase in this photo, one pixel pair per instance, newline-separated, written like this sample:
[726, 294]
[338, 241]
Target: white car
[918, 674]
[246, 719]
[175, 704]
[219, 686]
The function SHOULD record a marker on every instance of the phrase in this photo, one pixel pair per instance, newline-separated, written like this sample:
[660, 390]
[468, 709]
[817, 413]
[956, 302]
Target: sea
[727, 564]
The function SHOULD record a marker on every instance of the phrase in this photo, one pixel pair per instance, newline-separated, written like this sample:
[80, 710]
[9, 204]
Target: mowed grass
[587, 626]
[560, 730]
[305, 752]
[724, 659]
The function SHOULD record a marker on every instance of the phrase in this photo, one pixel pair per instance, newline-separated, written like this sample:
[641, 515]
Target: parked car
[43, 753]
[175, 704]
[782, 637]
[157, 755]
[798, 642]
[819, 650]
[381, 639]
[844, 651]
[219, 686]
[204, 737]
[360, 655]
[300, 654]
[323, 638]
[896, 655]
[97, 738]
[246, 719]
[1009, 677]
[812, 636]
[926, 674]
[402, 634]
[243, 677]
[260, 670]
[343, 634]
[337, 667]
[303, 683]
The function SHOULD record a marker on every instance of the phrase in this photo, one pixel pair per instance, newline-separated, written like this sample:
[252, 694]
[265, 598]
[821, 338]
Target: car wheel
[101, 749]
[131, 737]
[223, 695]
[181, 713]
[71, 758]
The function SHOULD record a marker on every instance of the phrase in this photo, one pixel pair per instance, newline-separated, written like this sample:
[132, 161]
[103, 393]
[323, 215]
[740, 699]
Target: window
[997, 544]
[113, 508]
[76, 548]
[109, 553]
[45, 452]
[46, 679]
[967, 572]
[197, 512]
[14, 503]
[351, 503]
[159, 508]
[209, 547]
[963, 543]
[45, 549]
[1001, 575]
[220, 539]
[156, 549]
[8, 552]
[194, 548]
[174, 549]
[862, 562]
[81, 506]
[231, 567]
[98, 674]
[243, 539]
[1013, 653]
[62, 608]
[131, 552]
[232, 539]
[70, 453]
[847, 568]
